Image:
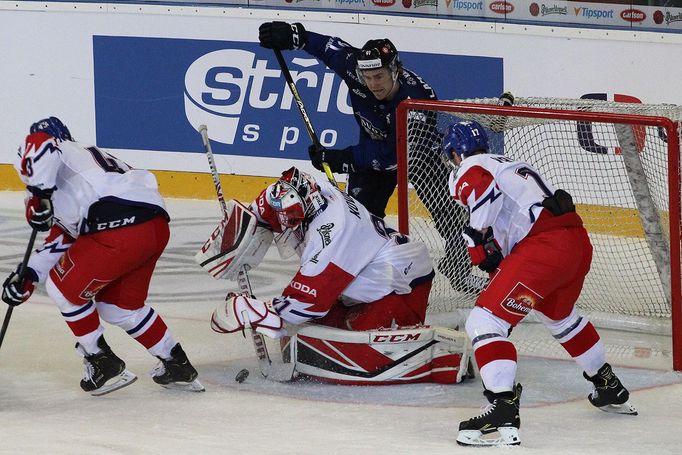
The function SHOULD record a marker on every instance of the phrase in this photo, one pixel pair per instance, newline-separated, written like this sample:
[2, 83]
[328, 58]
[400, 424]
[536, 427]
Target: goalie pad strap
[380, 357]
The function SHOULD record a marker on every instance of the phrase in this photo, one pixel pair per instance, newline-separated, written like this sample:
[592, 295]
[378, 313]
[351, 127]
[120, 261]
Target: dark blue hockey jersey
[376, 148]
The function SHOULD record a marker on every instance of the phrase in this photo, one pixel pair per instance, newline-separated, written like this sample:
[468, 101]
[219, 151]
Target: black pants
[372, 189]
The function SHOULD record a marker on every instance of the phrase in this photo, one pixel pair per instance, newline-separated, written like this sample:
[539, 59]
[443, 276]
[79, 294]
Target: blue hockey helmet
[54, 127]
[464, 138]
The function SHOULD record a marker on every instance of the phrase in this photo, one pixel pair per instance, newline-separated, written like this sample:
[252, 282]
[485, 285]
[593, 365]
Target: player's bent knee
[562, 326]
[120, 317]
[482, 324]
[56, 295]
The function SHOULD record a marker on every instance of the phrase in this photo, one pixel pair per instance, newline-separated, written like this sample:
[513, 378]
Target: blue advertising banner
[153, 93]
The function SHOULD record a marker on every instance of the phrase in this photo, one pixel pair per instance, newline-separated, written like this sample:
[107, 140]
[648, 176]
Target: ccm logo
[396, 338]
[115, 223]
[303, 288]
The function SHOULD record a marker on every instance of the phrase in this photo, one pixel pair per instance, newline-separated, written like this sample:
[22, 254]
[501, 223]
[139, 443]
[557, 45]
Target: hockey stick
[264, 361]
[304, 113]
[27, 255]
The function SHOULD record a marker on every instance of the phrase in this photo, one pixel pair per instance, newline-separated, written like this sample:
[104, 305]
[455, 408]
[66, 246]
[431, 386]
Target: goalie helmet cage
[621, 163]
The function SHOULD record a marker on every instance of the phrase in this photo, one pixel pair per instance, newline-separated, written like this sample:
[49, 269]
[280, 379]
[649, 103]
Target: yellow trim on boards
[197, 185]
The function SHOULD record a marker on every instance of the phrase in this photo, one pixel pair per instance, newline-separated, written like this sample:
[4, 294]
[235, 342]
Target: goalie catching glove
[483, 249]
[239, 311]
[238, 241]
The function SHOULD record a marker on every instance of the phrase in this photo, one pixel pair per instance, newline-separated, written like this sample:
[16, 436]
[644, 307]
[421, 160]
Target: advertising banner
[160, 90]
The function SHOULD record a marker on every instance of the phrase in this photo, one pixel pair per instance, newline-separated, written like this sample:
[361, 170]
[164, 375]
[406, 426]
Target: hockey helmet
[378, 53]
[296, 199]
[52, 126]
[464, 138]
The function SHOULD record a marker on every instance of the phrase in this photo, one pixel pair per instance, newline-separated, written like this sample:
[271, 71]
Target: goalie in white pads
[107, 228]
[363, 285]
[528, 236]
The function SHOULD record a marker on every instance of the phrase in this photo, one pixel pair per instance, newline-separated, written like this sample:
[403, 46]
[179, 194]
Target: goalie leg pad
[236, 242]
[401, 356]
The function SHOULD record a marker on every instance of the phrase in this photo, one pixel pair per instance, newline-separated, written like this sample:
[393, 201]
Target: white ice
[43, 410]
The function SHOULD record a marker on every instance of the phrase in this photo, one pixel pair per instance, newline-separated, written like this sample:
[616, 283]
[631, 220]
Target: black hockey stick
[264, 361]
[301, 109]
[22, 272]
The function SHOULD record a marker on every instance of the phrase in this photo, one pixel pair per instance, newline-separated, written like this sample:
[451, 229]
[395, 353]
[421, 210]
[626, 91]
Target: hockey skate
[609, 394]
[177, 372]
[501, 416]
[104, 371]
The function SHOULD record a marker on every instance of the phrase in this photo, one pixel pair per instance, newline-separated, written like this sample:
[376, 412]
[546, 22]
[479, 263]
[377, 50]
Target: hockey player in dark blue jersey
[377, 83]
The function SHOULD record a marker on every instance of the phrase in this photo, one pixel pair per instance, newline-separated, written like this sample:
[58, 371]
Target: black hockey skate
[177, 372]
[501, 416]
[609, 394]
[104, 370]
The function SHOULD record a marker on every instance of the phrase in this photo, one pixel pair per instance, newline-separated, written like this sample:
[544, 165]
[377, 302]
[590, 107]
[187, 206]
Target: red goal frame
[674, 189]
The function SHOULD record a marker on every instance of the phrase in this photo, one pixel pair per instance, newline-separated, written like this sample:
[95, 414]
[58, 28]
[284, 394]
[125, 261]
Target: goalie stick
[301, 109]
[264, 362]
[24, 262]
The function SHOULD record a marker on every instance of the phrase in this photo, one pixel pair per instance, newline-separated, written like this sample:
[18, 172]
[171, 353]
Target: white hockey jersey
[501, 193]
[79, 176]
[347, 254]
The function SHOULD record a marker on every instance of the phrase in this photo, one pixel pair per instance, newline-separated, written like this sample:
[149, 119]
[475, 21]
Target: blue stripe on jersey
[84, 308]
[141, 324]
[491, 196]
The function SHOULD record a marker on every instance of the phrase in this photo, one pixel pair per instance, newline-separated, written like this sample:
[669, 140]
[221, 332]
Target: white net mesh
[586, 159]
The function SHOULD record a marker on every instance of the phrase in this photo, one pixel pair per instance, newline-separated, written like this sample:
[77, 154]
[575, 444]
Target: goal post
[621, 163]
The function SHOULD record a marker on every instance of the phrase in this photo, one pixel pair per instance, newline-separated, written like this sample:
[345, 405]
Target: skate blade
[194, 386]
[122, 380]
[625, 408]
[508, 436]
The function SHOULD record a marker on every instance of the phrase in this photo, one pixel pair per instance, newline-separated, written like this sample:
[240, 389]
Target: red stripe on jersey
[153, 334]
[475, 179]
[33, 143]
[82, 327]
[497, 350]
[582, 342]
[55, 232]
[321, 291]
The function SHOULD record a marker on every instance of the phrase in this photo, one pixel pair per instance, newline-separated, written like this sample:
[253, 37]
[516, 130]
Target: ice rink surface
[43, 410]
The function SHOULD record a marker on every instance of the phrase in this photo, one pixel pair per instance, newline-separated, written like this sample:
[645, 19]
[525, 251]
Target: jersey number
[526, 172]
[108, 162]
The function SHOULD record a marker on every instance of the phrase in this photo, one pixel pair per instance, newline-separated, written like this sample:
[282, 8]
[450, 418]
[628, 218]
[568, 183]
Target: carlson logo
[384, 3]
[92, 289]
[219, 84]
[304, 288]
[632, 15]
[63, 266]
[396, 338]
[501, 7]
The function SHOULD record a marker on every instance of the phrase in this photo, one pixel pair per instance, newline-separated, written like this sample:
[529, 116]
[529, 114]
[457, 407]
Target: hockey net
[619, 161]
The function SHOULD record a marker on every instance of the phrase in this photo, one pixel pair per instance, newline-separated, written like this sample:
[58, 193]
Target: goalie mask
[376, 54]
[296, 199]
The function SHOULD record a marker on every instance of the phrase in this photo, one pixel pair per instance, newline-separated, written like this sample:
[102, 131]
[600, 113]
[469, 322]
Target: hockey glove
[17, 288]
[506, 99]
[39, 213]
[238, 311]
[281, 35]
[483, 249]
[339, 161]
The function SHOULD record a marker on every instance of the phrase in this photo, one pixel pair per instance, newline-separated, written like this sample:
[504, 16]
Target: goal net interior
[619, 161]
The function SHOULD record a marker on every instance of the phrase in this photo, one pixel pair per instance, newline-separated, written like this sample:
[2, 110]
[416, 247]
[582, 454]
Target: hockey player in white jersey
[528, 236]
[358, 280]
[107, 228]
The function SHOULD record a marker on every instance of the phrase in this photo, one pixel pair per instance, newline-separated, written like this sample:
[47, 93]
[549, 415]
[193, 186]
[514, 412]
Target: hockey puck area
[242, 375]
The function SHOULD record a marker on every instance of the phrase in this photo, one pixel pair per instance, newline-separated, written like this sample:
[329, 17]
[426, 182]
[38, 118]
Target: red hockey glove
[18, 287]
[39, 213]
[483, 249]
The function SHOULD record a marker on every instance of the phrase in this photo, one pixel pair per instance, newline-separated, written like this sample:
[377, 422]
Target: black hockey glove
[483, 249]
[39, 213]
[281, 35]
[339, 161]
[17, 289]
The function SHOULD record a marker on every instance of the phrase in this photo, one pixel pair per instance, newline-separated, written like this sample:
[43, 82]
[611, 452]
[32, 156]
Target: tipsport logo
[232, 91]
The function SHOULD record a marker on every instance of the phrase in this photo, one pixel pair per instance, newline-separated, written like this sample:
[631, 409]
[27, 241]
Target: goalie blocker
[380, 357]
[236, 242]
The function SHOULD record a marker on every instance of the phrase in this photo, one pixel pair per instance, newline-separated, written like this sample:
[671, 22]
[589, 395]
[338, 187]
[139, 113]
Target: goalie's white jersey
[81, 175]
[347, 254]
[501, 193]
